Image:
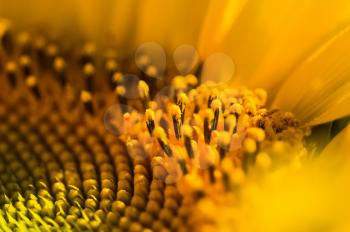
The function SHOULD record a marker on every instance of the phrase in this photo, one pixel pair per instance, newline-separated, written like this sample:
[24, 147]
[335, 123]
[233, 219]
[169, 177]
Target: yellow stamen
[143, 89]
[256, 133]
[120, 90]
[149, 116]
[249, 145]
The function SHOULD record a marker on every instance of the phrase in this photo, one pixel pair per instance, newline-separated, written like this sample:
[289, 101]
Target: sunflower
[174, 116]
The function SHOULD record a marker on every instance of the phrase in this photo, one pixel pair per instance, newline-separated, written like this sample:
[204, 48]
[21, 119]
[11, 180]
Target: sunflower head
[102, 130]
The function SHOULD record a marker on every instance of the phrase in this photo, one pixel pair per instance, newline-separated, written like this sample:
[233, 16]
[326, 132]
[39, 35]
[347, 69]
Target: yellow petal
[311, 199]
[57, 16]
[217, 23]
[314, 197]
[338, 150]
[122, 24]
[170, 23]
[116, 18]
[94, 16]
[319, 89]
[270, 37]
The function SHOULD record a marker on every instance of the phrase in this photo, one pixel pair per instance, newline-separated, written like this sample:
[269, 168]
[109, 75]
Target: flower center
[83, 145]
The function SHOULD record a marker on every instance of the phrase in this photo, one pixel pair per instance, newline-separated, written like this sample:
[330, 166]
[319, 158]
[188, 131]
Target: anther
[143, 61]
[183, 166]
[176, 117]
[164, 124]
[88, 53]
[224, 143]
[216, 106]
[111, 67]
[59, 66]
[191, 80]
[261, 94]
[89, 73]
[182, 100]
[86, 98]
[209, 158]
[144, 93]
[121, 91]
[256, 133]
[6, 39]
[31, 82]
[179, 84]
[163, 141]
[151, 73]
[250, 108]
[51, 52]
[25, 63]
[211, 98]
[187, 131]
[236, 109]
[116, 78]
[209, 116]
[149, 115]
[39, 49]
[11, 69]
[230, 123]
[250, 148]
[24, 43]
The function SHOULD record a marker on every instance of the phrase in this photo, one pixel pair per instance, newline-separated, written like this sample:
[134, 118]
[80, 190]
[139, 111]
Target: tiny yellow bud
[249, 145]
[256, 133]
[85, 96]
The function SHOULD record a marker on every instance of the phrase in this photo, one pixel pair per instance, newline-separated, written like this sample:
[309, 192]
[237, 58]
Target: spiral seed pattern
[87, 146]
